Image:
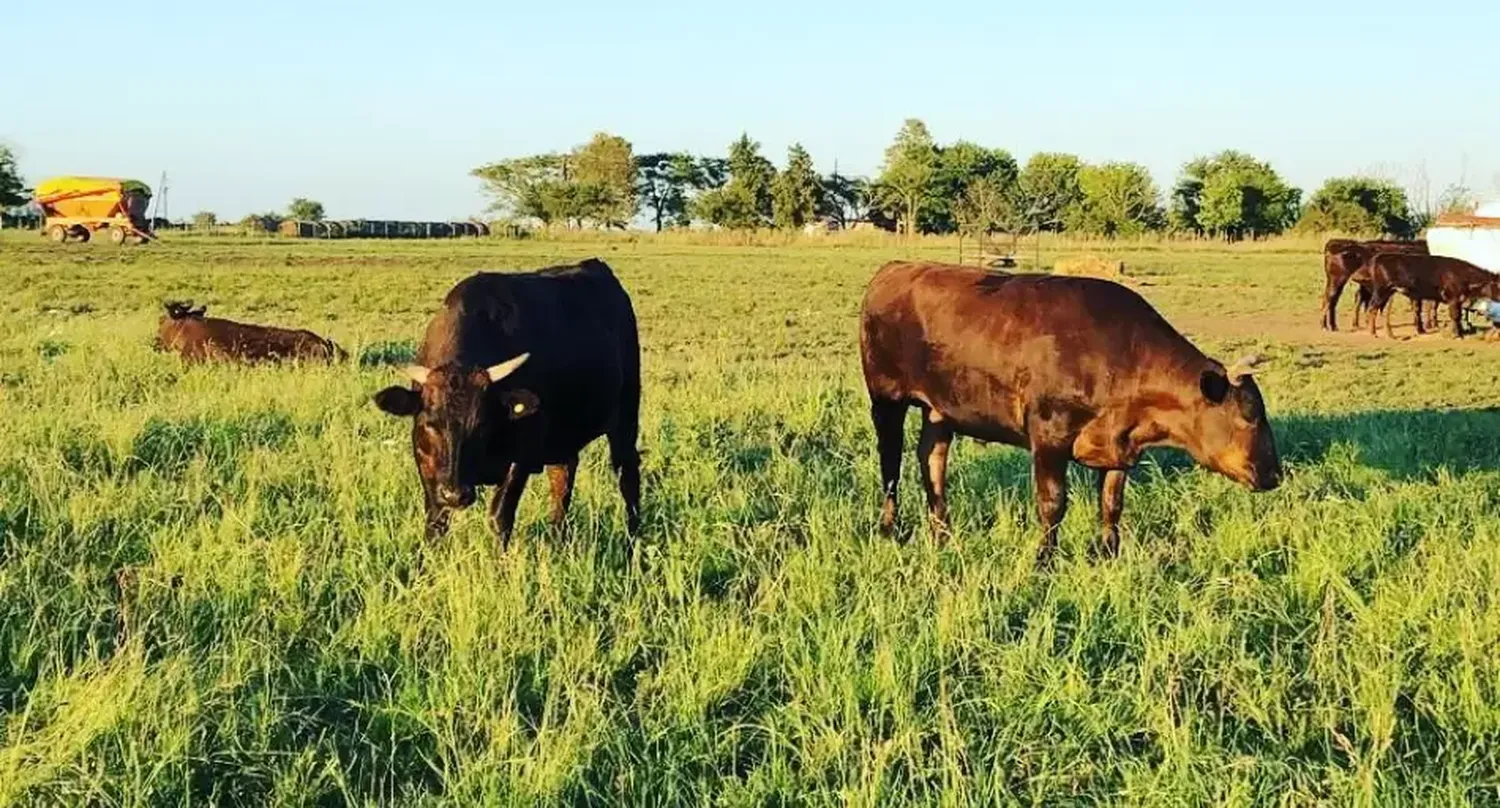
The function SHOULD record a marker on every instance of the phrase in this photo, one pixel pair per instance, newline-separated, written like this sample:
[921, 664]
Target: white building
[1474, 238]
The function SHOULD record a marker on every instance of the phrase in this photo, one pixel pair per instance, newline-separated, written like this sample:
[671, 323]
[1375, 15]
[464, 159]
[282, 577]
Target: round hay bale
[1089, 266]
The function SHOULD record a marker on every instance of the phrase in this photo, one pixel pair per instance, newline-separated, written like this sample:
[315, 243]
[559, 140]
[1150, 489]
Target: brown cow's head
[1232, 435]
[448, 407]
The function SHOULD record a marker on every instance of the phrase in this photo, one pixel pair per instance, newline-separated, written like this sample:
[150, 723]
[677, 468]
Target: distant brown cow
[1074, 369]
[1346, 260]
[186, 331]
[1428, 277]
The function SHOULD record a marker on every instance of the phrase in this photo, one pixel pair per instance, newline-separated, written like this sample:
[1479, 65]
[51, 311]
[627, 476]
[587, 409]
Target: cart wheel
[117, 235]
[82, 233]
[57, 233]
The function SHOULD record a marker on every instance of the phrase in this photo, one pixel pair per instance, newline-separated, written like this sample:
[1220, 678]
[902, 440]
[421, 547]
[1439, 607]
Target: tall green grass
[214, 586]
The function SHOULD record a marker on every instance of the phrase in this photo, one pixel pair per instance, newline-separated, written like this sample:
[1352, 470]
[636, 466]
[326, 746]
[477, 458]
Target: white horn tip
[509, 366]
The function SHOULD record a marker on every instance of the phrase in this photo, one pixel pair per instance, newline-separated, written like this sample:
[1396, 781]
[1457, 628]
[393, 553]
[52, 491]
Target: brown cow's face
[448, 408]
[1233, 436]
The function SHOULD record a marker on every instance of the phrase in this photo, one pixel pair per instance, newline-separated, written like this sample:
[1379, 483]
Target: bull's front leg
[1332, 289]
[1111, 505]
[1456, 314]
[561, 477]
[1049, 474]
[506, 500]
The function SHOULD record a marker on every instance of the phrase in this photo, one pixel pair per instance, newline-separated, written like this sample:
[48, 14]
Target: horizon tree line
[924, 186]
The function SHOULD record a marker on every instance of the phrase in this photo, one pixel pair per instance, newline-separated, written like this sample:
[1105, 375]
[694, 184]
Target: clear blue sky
[379, 109]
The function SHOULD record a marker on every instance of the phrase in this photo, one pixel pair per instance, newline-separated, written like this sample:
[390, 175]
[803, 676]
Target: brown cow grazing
[518, 372]
[186, 331]
[1428, 277]
[1074, 369]
[1346, 260]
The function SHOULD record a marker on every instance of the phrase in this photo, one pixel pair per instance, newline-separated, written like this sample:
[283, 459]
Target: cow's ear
[399, 401]
[1215, 386]
[520, 403]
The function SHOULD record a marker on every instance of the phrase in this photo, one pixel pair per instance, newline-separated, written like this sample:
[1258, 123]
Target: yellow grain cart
[77, 207]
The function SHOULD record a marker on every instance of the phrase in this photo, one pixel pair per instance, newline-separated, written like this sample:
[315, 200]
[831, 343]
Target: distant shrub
[378, 354]
[50, 349]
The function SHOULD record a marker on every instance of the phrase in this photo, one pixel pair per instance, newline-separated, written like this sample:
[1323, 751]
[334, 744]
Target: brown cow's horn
[1244, 366]
[417, 373]
[500, 371]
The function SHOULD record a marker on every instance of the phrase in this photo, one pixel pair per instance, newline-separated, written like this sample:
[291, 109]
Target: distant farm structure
[369, 228]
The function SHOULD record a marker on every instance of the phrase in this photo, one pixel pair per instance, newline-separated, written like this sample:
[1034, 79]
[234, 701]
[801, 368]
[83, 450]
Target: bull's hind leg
[506, 500]
[560, 477]
[932, 456]
[1378, 300]
[626, 461]
[889, 418]
[1111, 505]
[1049, 474]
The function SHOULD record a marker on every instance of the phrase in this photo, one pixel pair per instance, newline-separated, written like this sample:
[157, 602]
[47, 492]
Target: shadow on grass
[1407, 444]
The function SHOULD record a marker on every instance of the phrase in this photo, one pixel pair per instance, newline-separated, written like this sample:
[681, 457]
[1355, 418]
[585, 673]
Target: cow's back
[988, 347]
[491, 316]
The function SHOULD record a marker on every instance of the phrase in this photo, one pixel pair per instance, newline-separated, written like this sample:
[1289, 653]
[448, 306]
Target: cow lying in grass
[187, 331]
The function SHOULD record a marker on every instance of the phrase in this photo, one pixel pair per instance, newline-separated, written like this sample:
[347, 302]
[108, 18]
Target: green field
[214, 586]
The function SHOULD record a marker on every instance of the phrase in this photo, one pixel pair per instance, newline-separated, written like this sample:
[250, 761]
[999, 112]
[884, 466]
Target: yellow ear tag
[519, 408]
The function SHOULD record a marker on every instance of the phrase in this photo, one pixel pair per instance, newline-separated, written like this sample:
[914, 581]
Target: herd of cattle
[1379, 269]
[518, 372]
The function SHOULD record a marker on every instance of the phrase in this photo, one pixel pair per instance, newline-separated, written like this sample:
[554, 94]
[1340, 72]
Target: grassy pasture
[214, 589]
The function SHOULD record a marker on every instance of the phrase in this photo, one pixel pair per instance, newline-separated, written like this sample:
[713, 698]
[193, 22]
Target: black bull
[519, 372]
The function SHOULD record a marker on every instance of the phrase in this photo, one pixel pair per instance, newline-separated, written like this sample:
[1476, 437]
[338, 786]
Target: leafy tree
[205, 219]
[958, 166]
[524, 187]
[667, 181]
[754, 173]
[262, 222]
[606, 167]
[911, 163]
[305, 210]
[1360, 206]
[12, 190]
[713, 172]
[1048, 188]
[796, 193]
[1233, 195]
[732, 206]
[1117, 199]
[596, 182]
[844, 199]
[738, 190]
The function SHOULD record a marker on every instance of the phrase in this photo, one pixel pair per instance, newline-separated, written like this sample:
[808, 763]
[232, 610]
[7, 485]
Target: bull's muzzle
[455, 496]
